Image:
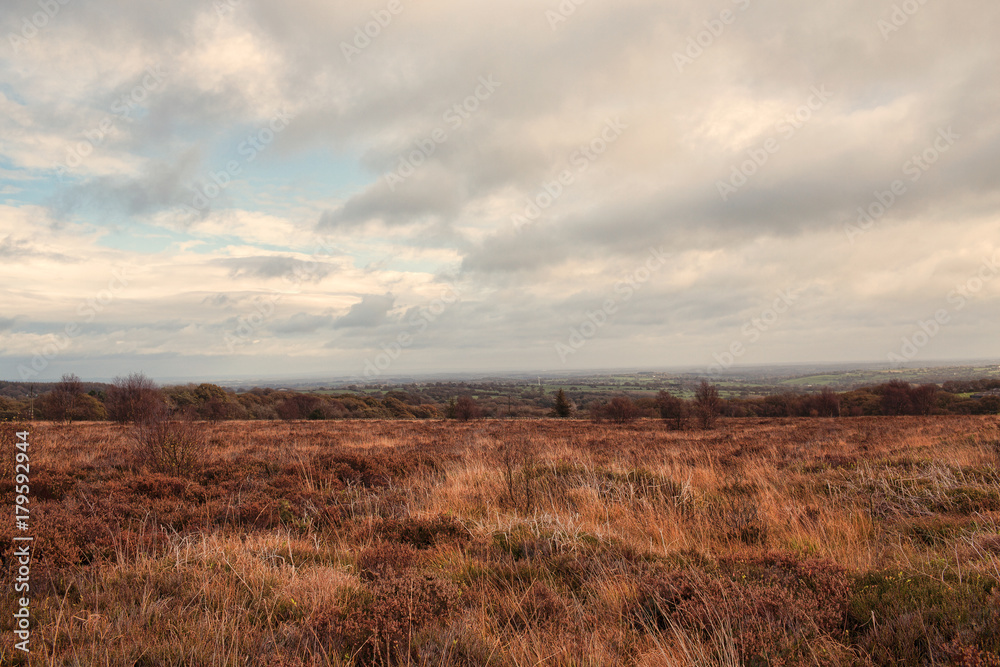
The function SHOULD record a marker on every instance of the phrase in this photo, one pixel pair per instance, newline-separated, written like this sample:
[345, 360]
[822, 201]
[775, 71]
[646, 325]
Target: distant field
[794, 542]
[852, 379]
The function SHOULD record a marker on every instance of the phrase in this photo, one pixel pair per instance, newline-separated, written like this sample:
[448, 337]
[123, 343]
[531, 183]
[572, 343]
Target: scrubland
[760, 542]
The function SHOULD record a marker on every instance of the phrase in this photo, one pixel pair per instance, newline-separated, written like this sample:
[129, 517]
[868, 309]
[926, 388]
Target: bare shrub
[384, 559]
[377, 625]
[744, 522]
[518, 468]
[171, 447]
[770, 604]
[621, 410]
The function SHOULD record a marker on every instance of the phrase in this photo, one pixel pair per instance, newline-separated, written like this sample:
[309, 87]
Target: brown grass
[785, 542]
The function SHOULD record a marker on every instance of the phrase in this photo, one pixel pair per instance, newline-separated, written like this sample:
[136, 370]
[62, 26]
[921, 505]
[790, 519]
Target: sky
[241, 188]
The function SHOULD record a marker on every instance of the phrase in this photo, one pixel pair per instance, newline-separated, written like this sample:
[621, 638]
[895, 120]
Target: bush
[620, 410]
[775, 608]
[171, 447]
[377, 624]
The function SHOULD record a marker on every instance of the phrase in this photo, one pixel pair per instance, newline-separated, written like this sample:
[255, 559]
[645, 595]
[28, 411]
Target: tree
[924, 398]
[563, 408]
[59, 404]
[298, 406]
[466, 408]
[620, 410]
[671, 409]
[707, 403]
[896, 398]
[828, 403]
[135, 399]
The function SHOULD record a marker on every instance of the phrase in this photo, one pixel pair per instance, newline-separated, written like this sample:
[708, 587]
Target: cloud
[520, 199]
[276, 266]
[301, 323]
[371, 311]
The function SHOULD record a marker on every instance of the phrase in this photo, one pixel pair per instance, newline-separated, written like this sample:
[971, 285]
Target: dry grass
[786, 542]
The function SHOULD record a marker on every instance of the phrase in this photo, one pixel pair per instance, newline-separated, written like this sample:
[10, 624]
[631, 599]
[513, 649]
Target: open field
[779, 541]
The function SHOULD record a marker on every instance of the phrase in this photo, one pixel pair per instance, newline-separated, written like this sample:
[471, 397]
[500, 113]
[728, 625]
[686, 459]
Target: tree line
[135, 397]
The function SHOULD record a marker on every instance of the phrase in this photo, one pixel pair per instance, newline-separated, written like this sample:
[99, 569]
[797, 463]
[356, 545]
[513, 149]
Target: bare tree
[672, 409]
[63, 396]
[172, 447]
[466, 408]
[707, 403]
[828, 403]
[516, 454]
[135, 399]
[621, 410]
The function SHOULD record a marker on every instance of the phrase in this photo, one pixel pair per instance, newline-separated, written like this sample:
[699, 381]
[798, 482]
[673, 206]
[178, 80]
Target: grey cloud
[301, 323]
[163, 185]
[371, 311]
[276, 266]
[423, 195]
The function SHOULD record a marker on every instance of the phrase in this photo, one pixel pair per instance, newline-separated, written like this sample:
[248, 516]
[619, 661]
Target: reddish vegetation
[784, 542]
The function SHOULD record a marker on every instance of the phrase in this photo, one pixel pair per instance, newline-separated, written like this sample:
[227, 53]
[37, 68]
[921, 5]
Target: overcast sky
[255, 188]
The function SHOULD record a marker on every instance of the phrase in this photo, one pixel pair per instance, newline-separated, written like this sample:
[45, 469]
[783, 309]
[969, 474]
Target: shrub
[384, 559]
[171, 447]
[909, 618]
[423, 533]
[515, 452]
[620, 410]
[376, 625]
[775, 606]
